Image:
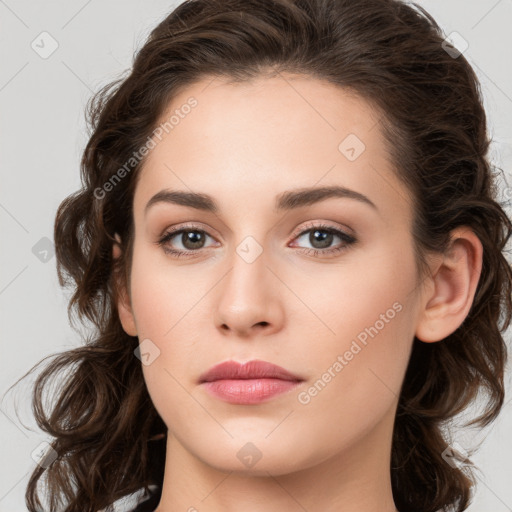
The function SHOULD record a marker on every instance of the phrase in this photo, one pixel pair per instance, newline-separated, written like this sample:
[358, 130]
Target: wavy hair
[107, 433]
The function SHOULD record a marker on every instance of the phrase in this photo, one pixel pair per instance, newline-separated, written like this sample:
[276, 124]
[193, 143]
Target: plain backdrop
[55, 54]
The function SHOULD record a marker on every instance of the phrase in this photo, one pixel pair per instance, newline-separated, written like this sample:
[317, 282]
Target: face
[323, 285]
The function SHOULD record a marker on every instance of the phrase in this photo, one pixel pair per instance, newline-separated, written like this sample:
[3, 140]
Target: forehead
[253, 139]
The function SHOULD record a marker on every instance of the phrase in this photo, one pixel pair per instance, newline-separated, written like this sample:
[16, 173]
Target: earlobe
[453, 287]
[124, 309]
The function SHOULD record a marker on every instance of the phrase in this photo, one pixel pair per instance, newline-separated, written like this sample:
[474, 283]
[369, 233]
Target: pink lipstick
[250, 383]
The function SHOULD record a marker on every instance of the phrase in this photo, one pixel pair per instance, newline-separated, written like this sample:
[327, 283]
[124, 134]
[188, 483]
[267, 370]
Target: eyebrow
[287, 200]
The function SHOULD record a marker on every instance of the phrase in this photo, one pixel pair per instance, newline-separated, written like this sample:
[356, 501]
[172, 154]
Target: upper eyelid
[323, 224]
[185, 227]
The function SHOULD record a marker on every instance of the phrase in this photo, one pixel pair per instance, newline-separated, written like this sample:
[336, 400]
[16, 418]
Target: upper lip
[254, 369]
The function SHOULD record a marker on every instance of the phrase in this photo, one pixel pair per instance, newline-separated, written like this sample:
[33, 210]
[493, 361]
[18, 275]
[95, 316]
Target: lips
[248, 384]
[255, 369]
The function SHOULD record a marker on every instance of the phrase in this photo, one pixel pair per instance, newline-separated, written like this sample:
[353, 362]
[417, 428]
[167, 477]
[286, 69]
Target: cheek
[165, 303]
[366, 289]
[355, 378]
[368, 312]
[161, 295]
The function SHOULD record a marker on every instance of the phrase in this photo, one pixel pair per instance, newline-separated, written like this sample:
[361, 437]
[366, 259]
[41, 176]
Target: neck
[353, 480]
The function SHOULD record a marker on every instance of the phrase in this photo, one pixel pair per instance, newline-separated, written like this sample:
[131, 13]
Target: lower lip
[248, 391]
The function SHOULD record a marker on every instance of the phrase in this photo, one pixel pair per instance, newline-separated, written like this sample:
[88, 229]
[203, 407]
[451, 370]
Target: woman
[232, 366]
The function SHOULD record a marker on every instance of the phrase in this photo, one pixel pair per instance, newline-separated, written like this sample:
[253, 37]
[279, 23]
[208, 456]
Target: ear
[123, 297]
[452, 287]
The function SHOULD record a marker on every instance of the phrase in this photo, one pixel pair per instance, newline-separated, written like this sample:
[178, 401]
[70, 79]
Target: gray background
[42, 137]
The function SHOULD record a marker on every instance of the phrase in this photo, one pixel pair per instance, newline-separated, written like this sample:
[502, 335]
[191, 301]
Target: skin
[244, 144]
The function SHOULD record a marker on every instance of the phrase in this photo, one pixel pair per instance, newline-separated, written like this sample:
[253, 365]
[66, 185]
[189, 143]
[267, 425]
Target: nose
[247, 301]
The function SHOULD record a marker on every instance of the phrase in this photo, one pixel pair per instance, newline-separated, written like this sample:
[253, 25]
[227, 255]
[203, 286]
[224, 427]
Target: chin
[257, 457]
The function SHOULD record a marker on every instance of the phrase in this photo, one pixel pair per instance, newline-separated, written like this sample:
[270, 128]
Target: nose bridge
[248, 275]
[247, 297]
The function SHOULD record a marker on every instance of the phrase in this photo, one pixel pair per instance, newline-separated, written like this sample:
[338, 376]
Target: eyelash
[347, 239]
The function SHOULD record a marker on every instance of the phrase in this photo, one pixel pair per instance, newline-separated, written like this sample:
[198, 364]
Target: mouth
[250, 383]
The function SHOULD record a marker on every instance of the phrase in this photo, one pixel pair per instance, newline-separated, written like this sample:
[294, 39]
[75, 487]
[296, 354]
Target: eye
[191, 239]
[321, 237]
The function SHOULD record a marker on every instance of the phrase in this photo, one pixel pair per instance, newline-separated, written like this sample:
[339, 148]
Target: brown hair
[392, 55]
